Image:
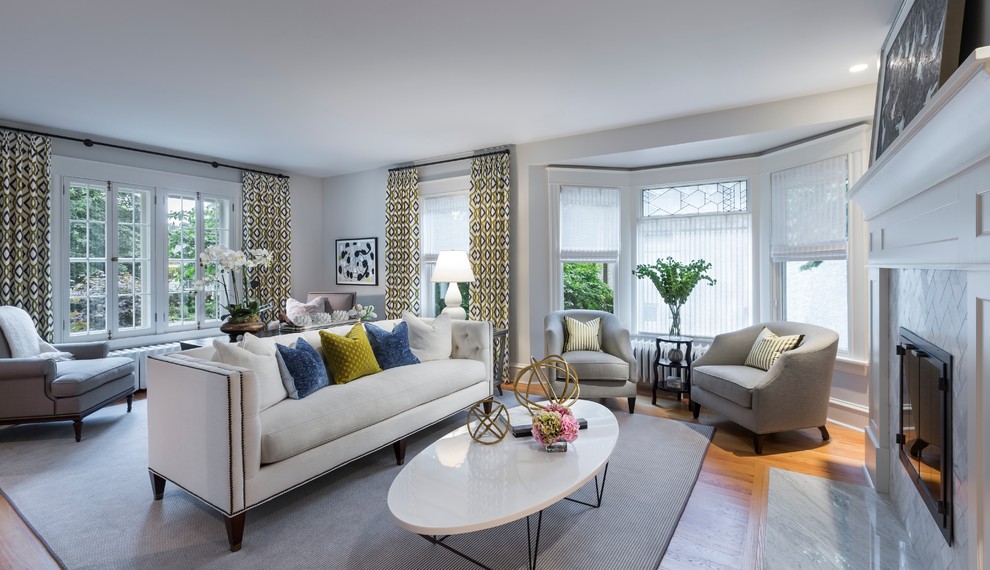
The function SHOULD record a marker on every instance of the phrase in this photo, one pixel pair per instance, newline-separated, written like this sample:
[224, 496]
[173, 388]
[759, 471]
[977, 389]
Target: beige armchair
[607, 374]
[792, 394]
[45, 390]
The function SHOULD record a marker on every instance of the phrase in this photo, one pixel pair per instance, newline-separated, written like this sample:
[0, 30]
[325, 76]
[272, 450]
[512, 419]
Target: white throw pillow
[429, 340]
[270, 388]
[294, 309]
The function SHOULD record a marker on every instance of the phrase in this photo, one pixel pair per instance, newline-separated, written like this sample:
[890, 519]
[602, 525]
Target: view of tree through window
[587, 286]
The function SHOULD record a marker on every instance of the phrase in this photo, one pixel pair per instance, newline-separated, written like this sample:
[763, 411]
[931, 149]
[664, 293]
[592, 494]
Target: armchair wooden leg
[399, 448]
[235, 530]
[130, 401]
[824, 431]
[695, 409]
[758, 443]
[632, 405]
[77, 427]
[157, 485]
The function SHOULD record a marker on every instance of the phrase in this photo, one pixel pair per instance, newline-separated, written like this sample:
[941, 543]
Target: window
[809, 243]
[708, 221]
[443, 225]
[126, 263]
[589, 247]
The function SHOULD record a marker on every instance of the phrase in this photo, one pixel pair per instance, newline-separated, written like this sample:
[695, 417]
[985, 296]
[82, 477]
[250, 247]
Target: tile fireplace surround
[927, 204]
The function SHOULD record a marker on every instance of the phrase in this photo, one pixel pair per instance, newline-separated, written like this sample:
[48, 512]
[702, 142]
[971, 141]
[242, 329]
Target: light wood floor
[720, 526]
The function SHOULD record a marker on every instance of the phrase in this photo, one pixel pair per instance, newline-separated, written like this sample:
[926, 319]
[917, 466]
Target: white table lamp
[453, 267]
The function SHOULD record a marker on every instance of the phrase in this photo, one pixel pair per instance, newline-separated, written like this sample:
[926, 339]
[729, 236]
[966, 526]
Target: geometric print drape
[402, 270]
[489, 238]
[25, 235]
[267, 214]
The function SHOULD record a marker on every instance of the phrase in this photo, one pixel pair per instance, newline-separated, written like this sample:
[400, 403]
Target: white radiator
[645, 351]
[140, 355]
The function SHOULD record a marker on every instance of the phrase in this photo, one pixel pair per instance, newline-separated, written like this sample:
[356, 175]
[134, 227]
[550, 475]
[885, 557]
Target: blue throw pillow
[302, 369]
[391, 348]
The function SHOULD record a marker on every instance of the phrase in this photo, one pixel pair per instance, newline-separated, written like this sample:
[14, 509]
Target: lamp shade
[453, 266]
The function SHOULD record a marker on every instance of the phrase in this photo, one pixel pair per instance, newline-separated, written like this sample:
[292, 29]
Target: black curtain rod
[91, 142]
[446, 160]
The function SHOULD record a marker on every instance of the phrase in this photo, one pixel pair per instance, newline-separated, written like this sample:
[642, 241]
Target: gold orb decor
[543, 371]
[488, 427]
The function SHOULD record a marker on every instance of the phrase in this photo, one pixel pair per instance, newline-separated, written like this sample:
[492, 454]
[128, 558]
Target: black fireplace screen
[925, 438]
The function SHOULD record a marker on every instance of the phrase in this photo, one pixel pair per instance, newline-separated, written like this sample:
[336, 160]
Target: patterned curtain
[25, 236]
[490, 242]
[267, 217]
[402, 243]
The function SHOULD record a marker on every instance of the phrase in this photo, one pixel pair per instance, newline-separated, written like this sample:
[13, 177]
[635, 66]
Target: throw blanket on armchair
[22, 338]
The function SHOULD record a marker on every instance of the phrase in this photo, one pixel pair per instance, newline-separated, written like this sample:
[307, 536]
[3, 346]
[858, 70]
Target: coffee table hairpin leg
[532, 550]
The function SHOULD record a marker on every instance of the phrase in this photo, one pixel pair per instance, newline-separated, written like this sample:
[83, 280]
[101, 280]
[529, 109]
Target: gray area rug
[818, 523]
[91, 503]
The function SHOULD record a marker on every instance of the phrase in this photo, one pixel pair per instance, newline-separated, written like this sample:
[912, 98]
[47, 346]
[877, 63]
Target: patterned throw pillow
[768, 348]
[391, 348]
[350, 357]
[302, 369]
[582, 336]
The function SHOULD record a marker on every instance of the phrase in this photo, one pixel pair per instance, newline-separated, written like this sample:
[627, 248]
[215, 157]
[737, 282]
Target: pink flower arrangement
[555, 423]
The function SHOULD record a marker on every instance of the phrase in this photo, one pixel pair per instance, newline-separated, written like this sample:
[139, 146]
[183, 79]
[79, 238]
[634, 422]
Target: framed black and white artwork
[357, 261]
[918, 56]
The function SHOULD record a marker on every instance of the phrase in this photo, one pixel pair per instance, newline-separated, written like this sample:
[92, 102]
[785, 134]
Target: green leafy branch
[675, 280]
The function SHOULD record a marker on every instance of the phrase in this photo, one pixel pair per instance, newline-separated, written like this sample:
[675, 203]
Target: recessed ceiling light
[858, 67]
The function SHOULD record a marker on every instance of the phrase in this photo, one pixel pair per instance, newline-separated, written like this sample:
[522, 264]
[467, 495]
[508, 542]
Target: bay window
[809, 243]
[589, 247]
[709, 221]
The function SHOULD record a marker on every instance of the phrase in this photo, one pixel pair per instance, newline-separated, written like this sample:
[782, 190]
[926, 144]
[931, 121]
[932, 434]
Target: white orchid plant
[233, 267]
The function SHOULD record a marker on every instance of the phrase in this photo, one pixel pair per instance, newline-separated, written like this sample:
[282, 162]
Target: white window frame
[160, 183]
[443, 187]
[853, 144]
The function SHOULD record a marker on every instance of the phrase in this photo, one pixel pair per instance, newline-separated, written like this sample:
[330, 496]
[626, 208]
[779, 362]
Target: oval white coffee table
[457, 485]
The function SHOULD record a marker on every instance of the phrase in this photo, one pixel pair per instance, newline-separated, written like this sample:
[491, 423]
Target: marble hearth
[927, 205]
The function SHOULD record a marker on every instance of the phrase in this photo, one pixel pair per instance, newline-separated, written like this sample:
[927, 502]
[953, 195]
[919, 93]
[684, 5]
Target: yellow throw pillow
[350, 357]
[768, 348]
[582, 336]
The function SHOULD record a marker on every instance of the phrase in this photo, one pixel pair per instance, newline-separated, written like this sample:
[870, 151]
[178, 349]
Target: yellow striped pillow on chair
[583, 336]
[768, 348]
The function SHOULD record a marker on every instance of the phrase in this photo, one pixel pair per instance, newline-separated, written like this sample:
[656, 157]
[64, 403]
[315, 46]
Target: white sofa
[207, 435]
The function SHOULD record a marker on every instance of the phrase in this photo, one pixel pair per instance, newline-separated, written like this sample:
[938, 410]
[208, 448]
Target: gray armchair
[607, 374]
[44, 390]
[792, 394]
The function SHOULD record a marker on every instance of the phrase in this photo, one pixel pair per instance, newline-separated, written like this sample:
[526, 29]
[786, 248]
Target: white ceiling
[325, 87]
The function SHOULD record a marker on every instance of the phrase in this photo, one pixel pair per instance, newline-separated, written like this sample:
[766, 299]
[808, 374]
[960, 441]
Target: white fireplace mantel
[926, 201]
[926, 198]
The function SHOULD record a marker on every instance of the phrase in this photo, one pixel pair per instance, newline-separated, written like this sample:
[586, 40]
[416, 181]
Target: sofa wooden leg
[632, 405]
[77, 427]
[157, 485]
[130, 401]
[487, 405]
[695, 409]
[399, 448]
[824, 431]
[758, 443]
[235, 530]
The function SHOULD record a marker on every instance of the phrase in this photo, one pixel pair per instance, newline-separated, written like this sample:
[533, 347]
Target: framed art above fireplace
[918, 56]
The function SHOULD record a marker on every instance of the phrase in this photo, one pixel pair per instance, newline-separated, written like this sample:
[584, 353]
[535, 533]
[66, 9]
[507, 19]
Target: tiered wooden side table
[672, 374]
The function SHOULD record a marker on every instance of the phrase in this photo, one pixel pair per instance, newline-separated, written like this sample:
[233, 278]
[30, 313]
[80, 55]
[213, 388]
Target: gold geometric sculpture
[489, 428]
[539, 369]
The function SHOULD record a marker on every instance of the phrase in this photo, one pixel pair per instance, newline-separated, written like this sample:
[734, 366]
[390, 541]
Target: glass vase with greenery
[675, 281]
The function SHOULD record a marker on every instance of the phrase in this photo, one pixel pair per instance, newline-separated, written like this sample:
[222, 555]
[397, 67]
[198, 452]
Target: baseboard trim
[848, 414]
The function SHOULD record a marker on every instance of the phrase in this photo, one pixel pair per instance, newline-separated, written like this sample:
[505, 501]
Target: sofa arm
[553, 334]
[204, 431]
[473, 340]
[86, 350]
[17, 368]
